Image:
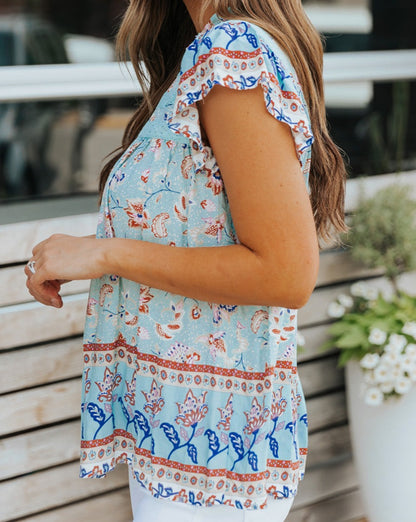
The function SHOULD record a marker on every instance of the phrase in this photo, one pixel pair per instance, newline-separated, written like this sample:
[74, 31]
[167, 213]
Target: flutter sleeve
[238, 55]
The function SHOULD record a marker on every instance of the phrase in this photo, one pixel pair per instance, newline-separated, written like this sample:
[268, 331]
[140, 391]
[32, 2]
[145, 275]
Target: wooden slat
[326, 481]
[345, 507]
[44, 490]
[110, 507]
[321, 376]
[338, 265]
[14, 291]
[326, 410]
[315, 337]
[47, 323]
[315, 310]
[29, 367]
[32, 408]
[369, 185]
[32, 323]
[39, 449]
[326, 445]
[55, 402]
[334, 266]
[33, 451]
[28, 234]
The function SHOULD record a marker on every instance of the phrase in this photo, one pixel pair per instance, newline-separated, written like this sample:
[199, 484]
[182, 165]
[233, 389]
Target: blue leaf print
[238, 504]
[153, 446]
[274, 446]
[141, 422]
[252, 459]
[230, 30]
[290, 426]
[193, 47]
[124, 409]
[207, 41]
[237, 443]
[96, 412]
[170, 433]
[249, 81]
[304, 419]
[213, 441]
[252, 40]
[159, 490]
[192, 452]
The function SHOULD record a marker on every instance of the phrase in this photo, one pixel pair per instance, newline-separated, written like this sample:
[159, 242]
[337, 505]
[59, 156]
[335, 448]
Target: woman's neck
[194, 10]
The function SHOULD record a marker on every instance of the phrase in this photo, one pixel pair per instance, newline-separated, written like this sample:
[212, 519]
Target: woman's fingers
[44, 295]
[46, 292]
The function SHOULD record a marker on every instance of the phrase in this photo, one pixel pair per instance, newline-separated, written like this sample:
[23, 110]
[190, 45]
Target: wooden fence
[40, 391]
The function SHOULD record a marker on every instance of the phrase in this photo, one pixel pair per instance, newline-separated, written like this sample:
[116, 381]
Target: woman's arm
[277, 260]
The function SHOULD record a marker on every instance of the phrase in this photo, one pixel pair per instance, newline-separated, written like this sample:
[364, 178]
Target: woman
[207, 245]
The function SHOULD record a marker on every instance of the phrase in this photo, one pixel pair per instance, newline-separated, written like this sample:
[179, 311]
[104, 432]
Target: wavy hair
[154, 34]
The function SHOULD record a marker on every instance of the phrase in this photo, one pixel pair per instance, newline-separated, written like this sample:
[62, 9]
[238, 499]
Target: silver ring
[31, 266]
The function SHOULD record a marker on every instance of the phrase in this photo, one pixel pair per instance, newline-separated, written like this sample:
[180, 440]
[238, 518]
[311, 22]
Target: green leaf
[327, 345]
[383, 308]
[353, 338]
[387, 324]
[338, 328]
[345, 356]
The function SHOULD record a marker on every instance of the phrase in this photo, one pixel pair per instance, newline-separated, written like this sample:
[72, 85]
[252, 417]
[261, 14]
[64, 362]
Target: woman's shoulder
[235, 38]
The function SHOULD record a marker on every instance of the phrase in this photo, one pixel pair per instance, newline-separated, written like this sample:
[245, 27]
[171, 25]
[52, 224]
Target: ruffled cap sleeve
[238, 55]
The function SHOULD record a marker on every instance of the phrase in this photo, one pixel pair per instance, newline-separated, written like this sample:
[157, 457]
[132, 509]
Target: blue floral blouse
[202, 400]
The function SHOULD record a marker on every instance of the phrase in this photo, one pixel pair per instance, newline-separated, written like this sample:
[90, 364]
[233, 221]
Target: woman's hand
[60, 259]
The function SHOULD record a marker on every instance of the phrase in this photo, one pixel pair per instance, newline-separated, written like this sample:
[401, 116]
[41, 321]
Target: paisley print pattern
[201, 399]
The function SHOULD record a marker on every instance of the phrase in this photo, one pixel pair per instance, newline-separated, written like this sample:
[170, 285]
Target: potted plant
[374, 329]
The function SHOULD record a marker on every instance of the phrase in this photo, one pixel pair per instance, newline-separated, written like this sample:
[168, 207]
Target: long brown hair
[154, 35]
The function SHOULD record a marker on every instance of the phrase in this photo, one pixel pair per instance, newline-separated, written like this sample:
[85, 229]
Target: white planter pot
[383, 441]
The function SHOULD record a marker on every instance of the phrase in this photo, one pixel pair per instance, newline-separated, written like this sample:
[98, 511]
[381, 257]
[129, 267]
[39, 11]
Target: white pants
[147, 508]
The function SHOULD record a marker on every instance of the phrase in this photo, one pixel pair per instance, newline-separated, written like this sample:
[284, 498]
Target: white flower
[387, 295]
[371, 293]
[395, 349]
[390, 358]
[407, 363]
[336, 310]
[397, 372]
[370, 360]
[359, 289]
[377, 336]
[345, 300]
[398, 340]
[300, 339]
[386, 387]
[403, 385]
[410, 329]
[382, 373]
[373, 396]
[411, 351]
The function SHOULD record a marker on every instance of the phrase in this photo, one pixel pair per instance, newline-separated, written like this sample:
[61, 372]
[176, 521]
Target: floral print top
[201, 399]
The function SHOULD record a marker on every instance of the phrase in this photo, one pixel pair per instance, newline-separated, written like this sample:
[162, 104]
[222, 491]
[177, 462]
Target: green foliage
[369, 326]
[383, 231]
[350, 333]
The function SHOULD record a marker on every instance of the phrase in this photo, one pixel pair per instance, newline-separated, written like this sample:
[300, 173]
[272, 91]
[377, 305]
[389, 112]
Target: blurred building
[370, 121]
[92, 17]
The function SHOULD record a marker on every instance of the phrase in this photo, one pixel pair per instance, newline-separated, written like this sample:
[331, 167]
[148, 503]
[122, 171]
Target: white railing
[69, 81]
